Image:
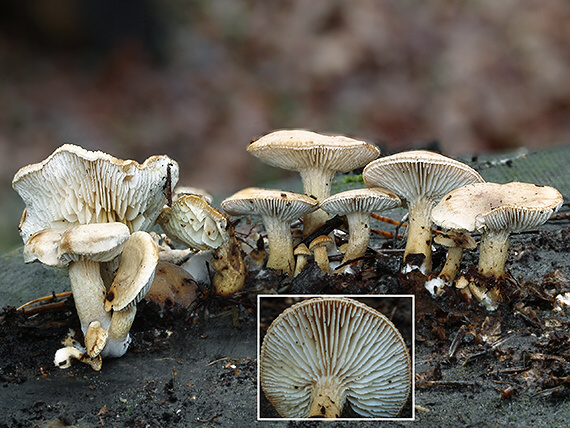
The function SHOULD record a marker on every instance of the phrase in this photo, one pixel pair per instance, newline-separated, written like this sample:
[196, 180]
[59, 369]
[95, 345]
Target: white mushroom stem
[419, 236]
[358, 235]
[493, 252]
[119, 339]
[327, 399]
[88, 293]
[301, 260]
[280, 244]
[317, 184]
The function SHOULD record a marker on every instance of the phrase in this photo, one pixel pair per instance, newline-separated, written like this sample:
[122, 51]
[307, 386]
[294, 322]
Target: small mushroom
[357, 205]
[323, 352]
[301, 253]
[420, 178]
[193, 222]
[496, 211]
[277, 209]
[320, 247]
[455, 242]
[317, 157]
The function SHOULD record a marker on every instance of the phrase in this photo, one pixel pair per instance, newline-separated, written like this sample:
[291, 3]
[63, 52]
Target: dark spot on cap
[110, 296]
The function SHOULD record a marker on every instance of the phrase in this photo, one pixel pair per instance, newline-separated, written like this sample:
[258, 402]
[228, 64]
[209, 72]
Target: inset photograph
[331, 356]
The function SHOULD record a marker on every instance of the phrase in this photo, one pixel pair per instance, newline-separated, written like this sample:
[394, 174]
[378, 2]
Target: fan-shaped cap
[271, 203]
[417, 173]
[490, 206]
[58, 247]
[360, 200]
[339, 343]
[193, 222]
[135, 274]
[298, 149]
[76, 186]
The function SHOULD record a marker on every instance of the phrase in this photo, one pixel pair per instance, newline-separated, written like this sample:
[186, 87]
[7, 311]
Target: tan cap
[135, 274]
[496, 210]
[317, 157]
[357, 205]
[191, 221]
[277, 209]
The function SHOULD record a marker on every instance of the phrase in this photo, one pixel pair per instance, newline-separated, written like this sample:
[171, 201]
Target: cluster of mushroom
[418, 179]
[92, 213]
[318, 158]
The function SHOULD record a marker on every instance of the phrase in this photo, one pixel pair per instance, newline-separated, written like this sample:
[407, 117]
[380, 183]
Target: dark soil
[198, 366]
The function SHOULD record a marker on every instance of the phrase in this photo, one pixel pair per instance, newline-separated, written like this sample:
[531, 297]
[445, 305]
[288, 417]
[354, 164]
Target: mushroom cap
[99, 242]
[58, 247]
[513, 206]
[135, 274]
[44, 247]
[340, 338]
[418, 172]
[322, 241]
[360, 200]
[191, 221]
[76, 186]
[302, 250]
[298, 149]
[272, 203]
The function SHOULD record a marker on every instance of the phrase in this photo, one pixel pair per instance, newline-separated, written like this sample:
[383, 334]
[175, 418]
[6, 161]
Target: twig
[43, 299]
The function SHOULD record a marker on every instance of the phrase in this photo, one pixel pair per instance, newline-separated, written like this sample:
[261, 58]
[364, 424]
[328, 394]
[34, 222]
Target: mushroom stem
[358, 237]
[280, 244]
[327, 399]
[316, 184]
[448, 272]
[493, 252]
[417, 254]
[302, 252]
[119, 339]
[88, 293]
[452, 263]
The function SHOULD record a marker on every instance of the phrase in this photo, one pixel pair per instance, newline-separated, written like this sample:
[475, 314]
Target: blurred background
[198, 80]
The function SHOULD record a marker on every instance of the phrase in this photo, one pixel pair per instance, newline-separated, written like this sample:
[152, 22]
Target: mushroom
[317, 157]
[301, 252]
[132, 280]
[81, 207]
[357, 205]
[455, 242]
[277, 209]
[496, 211]
[322, 352]
[191, 221]
[420, 178]
[320, 247]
